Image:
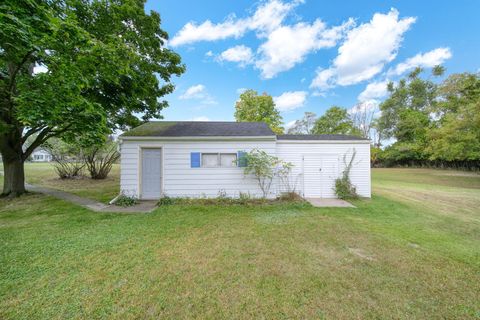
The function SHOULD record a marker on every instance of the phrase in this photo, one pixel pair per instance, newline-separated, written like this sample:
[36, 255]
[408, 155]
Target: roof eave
[324, 141]
[197, 138]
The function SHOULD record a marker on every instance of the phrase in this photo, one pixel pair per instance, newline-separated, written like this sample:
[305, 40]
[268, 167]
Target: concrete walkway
[142, 207]
[329, 203]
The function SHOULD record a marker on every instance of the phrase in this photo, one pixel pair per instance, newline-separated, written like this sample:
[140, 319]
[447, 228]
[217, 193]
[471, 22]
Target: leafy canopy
[104, 62]
[336, 120]
[258, 108]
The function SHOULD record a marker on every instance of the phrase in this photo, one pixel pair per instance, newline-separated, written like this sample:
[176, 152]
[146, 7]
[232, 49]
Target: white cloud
[194, 92]
[365, 51]
[425, 60]
[240, 54]
[288, 45]
[209, 53]
[285, 45]
[266, 18]
[198, 92]
[290, 100]
[208, 31]
[201, 118]
[241, 90]
[374, 90]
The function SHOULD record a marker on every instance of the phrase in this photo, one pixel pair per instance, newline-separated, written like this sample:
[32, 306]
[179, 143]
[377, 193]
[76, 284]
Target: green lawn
[43, 174]
[413, 251]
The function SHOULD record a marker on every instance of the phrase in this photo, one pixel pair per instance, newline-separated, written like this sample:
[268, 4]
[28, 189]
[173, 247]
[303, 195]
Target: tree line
[424, 121]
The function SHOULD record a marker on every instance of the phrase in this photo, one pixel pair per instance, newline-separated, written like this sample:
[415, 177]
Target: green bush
[344, 189]
[125, 201]
[166, 201]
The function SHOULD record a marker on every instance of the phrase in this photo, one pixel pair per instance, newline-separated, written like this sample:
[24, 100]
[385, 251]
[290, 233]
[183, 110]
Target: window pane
[209, 160]
[228, 159]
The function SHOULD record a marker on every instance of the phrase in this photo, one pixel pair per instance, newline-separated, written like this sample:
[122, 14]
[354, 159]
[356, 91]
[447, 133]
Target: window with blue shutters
[195, 159]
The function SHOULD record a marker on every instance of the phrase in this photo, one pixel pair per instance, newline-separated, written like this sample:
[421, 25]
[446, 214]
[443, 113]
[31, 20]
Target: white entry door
[151, 173]
[319, 174]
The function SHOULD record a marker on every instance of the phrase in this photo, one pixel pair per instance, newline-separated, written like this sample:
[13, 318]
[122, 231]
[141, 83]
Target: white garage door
[320, 172]
[151, 173]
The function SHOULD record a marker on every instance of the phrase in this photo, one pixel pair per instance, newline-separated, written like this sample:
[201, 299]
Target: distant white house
[41, 155]
[203, 159]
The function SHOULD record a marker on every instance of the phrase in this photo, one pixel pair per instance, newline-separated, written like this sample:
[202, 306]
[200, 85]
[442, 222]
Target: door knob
[320, 169]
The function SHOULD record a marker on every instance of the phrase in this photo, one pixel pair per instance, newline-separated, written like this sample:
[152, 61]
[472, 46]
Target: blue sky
[309, 54]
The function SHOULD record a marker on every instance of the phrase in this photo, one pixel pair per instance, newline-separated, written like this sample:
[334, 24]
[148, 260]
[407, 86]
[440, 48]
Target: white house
[41, 155]
[196, 159]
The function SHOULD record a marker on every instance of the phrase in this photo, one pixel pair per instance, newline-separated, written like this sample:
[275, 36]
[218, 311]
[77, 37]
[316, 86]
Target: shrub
[265, 167]
[165, 201]
[100, 159]
[343, 186]
[290, 196]
[66, 158]
[125, 201]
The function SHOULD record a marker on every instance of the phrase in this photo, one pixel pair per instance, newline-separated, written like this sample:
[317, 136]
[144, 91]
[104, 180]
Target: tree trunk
[13, 161]
[14, 177]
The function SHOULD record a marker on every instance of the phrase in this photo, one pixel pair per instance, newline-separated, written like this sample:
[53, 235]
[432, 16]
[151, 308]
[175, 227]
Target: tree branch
[30, 132]
[41, 138]
[13, 74]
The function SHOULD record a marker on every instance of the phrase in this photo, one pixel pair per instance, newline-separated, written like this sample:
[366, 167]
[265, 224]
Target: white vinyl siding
[181, 180]
[294, 152]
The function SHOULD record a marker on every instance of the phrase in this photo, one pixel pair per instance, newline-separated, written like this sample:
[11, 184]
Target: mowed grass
[43, 174]
[398, 255]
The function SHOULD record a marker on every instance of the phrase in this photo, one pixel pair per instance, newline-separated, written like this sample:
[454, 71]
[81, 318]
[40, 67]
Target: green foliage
[335, 121]
[263, 167]
[432, 124]
[222, 199]
[344, 189]
[166, 201]
[456, 136]
[258, 108]
[125, 201]
[104, 63]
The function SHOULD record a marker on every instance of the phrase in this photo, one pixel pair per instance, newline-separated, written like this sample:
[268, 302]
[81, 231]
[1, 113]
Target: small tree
[263, 167]
[344, 189]
[336, 120]
[100, 159]
[259, 108]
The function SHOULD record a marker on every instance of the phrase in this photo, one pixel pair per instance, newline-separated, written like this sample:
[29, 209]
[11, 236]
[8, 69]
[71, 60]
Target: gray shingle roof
[199, 129]
[318, 137]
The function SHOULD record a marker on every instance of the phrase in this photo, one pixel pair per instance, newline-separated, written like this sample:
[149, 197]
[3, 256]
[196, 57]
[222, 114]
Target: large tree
[102, 63]
[261, 108]
[455, 136]
[406, 115]
[336, 120]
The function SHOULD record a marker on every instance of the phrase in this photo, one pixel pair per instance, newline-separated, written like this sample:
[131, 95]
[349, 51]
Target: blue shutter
[195, 159]
[242, 159]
